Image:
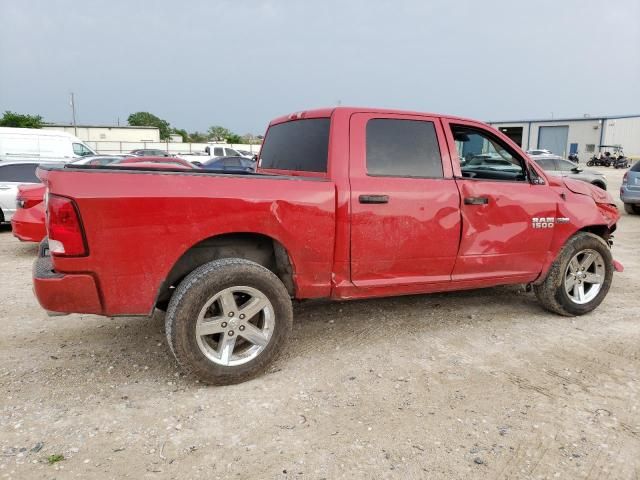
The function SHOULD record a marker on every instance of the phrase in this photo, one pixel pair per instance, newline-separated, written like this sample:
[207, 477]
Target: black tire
[590, 163]
[196, 290]
[551, 292]
[632, 209]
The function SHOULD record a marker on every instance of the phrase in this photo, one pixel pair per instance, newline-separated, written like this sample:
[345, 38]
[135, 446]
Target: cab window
[402, 148]
[484, 157]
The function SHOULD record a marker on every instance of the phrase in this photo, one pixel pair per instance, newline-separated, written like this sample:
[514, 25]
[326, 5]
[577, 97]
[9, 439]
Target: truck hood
[583, 188]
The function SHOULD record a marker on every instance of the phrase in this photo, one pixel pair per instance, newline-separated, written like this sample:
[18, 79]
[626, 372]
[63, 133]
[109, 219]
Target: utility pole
[73, 113]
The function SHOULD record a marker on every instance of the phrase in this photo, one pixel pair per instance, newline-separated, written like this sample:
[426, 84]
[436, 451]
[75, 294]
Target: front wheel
[228, 320]
[579, 278]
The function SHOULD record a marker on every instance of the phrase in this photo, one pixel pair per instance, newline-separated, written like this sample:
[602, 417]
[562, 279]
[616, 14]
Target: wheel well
[599, 185]
[602, 231]
[258, 248]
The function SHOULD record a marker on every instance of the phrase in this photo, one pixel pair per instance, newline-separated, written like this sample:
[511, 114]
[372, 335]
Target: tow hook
[617, 266]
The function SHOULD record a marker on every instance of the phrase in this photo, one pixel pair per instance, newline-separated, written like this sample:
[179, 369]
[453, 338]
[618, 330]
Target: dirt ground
[478, 384]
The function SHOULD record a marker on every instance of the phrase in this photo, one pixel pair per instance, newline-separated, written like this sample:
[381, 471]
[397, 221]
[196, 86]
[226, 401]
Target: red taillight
[66, 237]
[25, 202]
[624, 178]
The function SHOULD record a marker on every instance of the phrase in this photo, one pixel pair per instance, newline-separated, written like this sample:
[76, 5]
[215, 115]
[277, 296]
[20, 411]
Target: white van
[29, 144]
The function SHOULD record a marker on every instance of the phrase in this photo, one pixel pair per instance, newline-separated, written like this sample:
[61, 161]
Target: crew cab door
[405, 218]
[508, 210]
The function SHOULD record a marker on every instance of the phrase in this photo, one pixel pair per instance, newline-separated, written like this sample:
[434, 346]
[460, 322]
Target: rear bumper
[7, 213]
[63, 293]
[27, 227]
[629, 196]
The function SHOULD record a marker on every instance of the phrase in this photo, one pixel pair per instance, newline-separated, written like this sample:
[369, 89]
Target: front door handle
[4, 187]
[476, 200]
[373, 198]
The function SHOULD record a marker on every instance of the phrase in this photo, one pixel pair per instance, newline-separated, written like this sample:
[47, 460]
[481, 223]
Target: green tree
[233, 138]
[146, 119]
[218, 133]
[182, 132]
[17, 120]
[197, 137]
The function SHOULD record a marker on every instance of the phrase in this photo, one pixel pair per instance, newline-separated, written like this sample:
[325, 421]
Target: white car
[13, 174]
[37, 145]
[539, 151]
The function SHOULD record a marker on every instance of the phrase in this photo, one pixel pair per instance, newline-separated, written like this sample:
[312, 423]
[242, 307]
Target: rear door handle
[476, 200]
[373, 198]
[4, 187]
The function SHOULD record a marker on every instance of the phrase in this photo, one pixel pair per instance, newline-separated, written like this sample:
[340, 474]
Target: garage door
[554, 139]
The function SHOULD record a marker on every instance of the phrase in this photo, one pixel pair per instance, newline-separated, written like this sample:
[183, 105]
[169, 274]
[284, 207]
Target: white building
[583, 136]
[108, 133]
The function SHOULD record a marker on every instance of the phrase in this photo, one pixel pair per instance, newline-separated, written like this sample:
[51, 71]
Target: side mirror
[576, 169]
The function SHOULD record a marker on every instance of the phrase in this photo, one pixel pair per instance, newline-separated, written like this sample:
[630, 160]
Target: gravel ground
[477, 384]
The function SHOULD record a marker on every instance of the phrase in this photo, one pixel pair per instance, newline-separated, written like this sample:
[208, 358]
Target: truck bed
[139, 222]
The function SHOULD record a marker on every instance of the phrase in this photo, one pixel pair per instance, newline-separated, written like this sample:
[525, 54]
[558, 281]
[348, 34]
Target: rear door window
[218, 152]
[23, 173]
[402, 148]
[565, 165]
[546, 163]
[300, 145]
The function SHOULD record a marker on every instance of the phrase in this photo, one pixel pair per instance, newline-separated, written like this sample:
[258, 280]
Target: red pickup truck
[346, 203]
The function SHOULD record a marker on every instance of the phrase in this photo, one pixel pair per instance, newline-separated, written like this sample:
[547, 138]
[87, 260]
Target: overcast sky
[241, 63]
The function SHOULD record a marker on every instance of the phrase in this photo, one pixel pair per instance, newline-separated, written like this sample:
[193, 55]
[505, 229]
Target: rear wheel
[632, 209]
[228, 320]
[579, 278]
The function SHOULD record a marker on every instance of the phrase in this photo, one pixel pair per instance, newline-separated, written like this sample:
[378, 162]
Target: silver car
[556, 165]
[630, 190]
[13, 174]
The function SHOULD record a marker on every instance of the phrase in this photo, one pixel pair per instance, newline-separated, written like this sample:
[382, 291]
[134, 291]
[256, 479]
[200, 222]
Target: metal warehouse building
[576, 135]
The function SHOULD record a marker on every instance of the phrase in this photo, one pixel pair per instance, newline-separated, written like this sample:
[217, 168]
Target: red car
[346, 203]
[27, 223]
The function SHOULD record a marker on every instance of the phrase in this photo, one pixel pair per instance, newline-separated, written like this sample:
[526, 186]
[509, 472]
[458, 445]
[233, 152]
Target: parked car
[100, 159]
[150, 152]
[556, 165]
[630, 189]
[230, 164]
[346, 203]
[222, 151]
[28, 223]
[13, 174]
[539, 151]
[246, 153]
[38, 145]
[154, 161]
